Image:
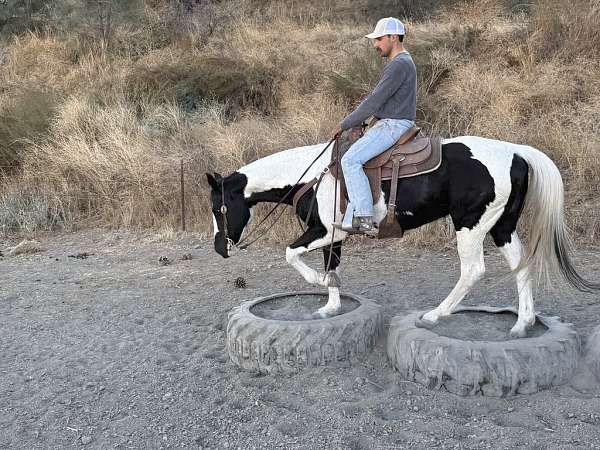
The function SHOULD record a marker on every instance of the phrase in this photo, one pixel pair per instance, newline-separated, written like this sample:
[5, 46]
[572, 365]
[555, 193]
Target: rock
[359, 381]
[85, 440]
[25, 247]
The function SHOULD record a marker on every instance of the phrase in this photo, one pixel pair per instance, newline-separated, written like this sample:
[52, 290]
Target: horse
[484, 185]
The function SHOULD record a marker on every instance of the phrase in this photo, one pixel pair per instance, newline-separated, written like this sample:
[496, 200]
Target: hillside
[101, 100]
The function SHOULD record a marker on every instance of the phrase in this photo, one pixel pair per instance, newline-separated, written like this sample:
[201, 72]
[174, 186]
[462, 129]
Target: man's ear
[212, 180]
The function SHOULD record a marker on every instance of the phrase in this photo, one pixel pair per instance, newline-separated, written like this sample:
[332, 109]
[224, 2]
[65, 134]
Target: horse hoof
[518, 332]
[318, 315]
[424, 323]
[427, 320]
[325, 313]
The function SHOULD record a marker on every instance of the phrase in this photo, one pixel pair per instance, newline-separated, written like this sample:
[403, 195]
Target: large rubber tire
[267, 346]
[592, 352]
[490, 368]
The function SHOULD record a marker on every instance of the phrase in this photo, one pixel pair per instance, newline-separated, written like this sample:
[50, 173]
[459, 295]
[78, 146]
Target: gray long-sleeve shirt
[394, 97]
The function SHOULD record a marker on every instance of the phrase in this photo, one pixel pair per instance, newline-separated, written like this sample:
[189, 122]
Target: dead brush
[567, 29]
[116, 127]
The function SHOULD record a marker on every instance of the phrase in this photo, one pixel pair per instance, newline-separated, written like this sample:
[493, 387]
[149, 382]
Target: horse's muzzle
[221, 245]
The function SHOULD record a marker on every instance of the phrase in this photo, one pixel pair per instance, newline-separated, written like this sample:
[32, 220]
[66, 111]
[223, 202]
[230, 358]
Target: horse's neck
[283, 169]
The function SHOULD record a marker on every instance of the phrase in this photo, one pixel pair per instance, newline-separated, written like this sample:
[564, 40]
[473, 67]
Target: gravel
[116, 350]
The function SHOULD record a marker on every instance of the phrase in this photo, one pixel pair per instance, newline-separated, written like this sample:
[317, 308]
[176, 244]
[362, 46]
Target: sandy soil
[119, 351]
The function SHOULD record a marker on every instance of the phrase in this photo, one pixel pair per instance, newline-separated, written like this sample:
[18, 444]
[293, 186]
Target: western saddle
[408, 157]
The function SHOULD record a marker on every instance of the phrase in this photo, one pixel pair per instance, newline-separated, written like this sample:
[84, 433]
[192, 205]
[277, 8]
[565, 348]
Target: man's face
[383, 45]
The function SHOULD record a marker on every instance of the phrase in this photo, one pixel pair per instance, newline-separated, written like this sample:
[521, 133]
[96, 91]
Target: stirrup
[360, 225]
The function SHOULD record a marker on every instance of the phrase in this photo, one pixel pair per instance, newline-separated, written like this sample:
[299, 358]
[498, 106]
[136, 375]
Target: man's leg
[375, 141]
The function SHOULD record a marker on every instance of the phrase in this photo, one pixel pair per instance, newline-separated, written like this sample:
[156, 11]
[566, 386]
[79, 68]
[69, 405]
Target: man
[393, 103]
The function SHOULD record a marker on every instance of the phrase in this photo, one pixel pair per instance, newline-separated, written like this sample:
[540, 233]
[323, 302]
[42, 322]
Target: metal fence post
[182, 198]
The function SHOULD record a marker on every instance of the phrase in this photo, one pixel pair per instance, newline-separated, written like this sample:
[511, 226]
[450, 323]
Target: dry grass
[106, 148]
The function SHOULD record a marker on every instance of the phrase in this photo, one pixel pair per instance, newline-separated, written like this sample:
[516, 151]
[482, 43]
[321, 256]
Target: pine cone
[239, 282]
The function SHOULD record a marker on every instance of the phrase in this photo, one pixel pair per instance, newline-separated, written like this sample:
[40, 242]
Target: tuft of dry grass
[25, 247]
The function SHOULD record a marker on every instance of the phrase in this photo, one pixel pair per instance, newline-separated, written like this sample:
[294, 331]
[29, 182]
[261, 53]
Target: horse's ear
[213, 181]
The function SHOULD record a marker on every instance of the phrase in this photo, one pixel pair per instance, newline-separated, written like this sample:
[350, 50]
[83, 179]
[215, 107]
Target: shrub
[568, 29]
[359, 75]
[23, 209]
[190, 83]
[25, 118]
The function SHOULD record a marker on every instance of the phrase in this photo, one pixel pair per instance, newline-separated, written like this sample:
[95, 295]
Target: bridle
[229, 242]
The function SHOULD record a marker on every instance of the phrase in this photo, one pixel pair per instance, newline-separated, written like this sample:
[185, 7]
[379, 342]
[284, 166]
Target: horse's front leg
[312, 239]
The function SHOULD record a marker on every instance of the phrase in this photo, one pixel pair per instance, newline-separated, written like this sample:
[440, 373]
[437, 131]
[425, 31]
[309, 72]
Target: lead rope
[242, 247]
[312, 200]
[335, 194]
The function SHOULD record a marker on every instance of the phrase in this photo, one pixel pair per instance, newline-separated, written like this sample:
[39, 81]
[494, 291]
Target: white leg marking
[513, 252]
[292, 256]
[333, 306]
[470, 252]
[472, 268]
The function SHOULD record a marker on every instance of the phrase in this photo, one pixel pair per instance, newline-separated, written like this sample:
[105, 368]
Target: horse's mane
[283, 168]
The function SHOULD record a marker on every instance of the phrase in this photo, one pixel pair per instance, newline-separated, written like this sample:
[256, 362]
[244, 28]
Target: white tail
[550, 245]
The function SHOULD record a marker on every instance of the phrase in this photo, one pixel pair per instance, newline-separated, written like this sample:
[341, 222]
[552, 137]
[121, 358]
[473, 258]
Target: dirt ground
[118, 351]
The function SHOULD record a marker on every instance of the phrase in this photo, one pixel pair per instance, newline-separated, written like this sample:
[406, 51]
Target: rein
[229, 241]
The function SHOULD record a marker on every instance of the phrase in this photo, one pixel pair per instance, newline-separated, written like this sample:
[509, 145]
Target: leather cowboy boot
[360, 225]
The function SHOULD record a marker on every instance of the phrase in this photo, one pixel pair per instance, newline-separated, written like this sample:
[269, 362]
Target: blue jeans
[375, 141]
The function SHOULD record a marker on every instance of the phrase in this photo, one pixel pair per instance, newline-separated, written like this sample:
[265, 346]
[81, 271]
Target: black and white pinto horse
[482, 184]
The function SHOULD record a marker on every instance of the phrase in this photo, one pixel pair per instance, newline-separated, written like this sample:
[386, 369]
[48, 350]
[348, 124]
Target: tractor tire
[592, 352]
[497, 368]
[265, 345]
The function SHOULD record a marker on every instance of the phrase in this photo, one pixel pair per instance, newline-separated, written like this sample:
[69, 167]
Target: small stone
[164, 261]
[415, 409]
[85, 440]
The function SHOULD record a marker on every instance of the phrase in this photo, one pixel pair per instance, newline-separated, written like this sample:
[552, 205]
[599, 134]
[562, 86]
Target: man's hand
[336, 132]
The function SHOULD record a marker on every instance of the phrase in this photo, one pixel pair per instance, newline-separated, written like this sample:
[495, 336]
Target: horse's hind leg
[472, 268]
[513, 252]
[509, 244]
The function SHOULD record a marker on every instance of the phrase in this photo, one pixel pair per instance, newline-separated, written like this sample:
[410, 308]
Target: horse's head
[229, 192]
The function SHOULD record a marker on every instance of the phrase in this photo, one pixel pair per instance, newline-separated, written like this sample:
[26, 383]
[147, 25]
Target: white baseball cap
[387, 25]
